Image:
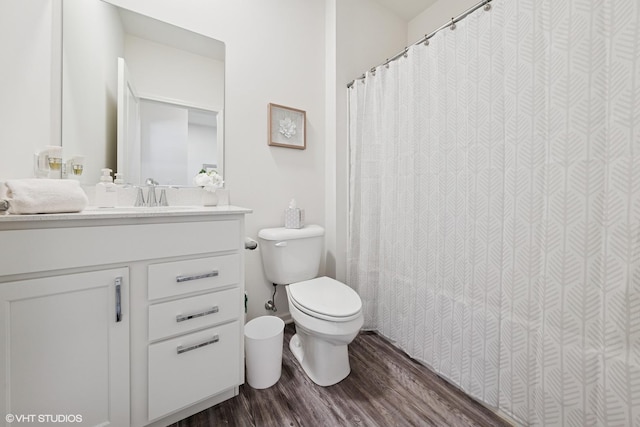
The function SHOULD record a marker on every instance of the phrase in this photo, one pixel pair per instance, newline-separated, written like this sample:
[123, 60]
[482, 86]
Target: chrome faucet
[163, 198]
[152, 201]
[139, 198]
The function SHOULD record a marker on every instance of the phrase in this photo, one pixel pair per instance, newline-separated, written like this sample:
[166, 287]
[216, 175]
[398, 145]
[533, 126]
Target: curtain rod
[425, 39]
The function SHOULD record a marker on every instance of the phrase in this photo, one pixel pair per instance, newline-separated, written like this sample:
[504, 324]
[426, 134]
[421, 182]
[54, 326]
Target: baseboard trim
[194, 409]
[286, 318]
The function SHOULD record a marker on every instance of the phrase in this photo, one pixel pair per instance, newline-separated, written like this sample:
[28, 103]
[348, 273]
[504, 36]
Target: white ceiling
[407, 9]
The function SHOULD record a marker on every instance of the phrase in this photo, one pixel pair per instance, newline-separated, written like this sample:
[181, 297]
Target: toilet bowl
[326, 312]
[326, 323]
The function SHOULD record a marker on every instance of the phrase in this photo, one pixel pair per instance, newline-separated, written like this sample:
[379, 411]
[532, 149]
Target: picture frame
[287, 127]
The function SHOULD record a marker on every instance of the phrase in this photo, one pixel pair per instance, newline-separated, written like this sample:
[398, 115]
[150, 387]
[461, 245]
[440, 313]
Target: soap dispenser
[106, 194]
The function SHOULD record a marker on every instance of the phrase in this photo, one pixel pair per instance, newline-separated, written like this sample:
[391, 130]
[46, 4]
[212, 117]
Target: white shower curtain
[495, 207]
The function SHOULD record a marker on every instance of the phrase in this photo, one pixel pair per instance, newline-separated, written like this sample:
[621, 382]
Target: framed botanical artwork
[287, 127]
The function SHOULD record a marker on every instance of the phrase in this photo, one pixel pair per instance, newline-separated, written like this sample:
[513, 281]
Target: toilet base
[324, 363]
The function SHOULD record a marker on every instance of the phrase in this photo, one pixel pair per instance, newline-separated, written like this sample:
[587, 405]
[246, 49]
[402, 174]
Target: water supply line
[250, 245]
[271, 304]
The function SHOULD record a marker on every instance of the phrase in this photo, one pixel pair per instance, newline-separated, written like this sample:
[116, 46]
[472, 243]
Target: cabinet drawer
[188, 314]
[187, 369]
[30, 251]
[181, 277]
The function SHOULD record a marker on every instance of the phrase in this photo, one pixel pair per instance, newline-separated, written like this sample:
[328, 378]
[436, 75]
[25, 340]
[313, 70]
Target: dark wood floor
[385, 388]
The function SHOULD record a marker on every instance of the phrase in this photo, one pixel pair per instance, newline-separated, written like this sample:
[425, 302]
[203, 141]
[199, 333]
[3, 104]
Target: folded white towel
[33, 196]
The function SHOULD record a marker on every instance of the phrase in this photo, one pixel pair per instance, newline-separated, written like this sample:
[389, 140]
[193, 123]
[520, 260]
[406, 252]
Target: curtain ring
[487, 6]
[386, 64]
[373, 71]
[426, 40]
[405, 54]
[453, 24]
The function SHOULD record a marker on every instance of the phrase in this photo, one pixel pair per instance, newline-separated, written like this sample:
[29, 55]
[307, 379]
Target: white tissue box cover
[294, 218]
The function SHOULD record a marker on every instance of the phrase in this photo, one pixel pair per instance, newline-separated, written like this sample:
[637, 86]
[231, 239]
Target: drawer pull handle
[181, 349]
[118, 283]
[183, 317]
[181, 279]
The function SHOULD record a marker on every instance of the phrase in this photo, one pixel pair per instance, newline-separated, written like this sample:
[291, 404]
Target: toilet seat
[326, 298]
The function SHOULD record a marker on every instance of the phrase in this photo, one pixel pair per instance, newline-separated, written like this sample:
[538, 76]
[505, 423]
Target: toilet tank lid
[282, 233]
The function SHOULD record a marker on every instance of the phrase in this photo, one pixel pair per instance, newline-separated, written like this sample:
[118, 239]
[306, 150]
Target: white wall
[29, 100]
[435, 16]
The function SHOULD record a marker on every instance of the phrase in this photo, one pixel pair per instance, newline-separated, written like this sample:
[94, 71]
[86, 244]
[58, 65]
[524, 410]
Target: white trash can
[263, 350]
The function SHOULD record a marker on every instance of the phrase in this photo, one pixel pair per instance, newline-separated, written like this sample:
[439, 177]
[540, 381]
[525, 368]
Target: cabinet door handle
[180, 349]
[118, 283]
[183, 317]
[180, 279]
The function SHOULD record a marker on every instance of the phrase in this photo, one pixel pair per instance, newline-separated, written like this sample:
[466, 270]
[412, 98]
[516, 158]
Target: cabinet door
[64, 348]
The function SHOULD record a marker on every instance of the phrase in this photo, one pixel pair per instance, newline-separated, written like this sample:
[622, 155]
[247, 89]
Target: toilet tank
[291, 255]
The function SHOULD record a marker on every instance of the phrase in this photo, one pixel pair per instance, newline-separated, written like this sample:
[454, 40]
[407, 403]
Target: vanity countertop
[93, 212]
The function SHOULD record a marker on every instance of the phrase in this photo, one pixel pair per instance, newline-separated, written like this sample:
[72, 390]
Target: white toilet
[327, 313]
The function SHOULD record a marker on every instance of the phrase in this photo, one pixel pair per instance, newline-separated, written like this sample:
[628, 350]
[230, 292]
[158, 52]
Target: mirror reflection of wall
[176, 142]
[166, 63]
[92, 37]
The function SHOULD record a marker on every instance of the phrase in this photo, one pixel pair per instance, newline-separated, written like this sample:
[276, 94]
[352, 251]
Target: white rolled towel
[34, 196]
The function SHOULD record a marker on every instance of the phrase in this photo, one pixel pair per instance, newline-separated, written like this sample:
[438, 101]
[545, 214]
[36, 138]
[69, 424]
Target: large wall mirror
[139, 96]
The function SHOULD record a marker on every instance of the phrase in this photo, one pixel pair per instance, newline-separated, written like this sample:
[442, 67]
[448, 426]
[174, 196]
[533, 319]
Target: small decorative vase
[209, 198]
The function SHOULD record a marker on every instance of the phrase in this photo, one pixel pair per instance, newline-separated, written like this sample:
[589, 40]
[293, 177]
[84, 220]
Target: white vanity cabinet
[122, 318]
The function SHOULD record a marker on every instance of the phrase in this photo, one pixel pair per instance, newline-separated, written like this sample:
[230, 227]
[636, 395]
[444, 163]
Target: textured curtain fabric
[495, 207]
